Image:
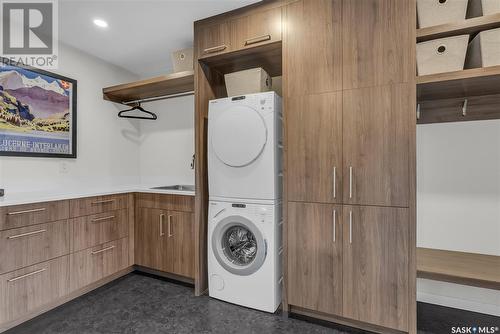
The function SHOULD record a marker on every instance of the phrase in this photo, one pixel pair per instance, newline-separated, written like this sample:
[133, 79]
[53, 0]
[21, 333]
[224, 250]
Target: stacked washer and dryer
[245, 188]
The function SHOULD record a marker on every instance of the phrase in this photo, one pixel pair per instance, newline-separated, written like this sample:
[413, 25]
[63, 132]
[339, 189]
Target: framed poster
[37, 113]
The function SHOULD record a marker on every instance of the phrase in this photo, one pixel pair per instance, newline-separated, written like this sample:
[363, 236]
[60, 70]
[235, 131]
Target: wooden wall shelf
[469, 26]
[175, 83]
[458, 267]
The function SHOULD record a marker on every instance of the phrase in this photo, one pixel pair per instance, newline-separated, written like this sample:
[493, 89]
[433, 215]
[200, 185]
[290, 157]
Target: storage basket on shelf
[483, 7]
[442, 55]
[484, 50]
[254, 80]
[183, 60]
[436, 12]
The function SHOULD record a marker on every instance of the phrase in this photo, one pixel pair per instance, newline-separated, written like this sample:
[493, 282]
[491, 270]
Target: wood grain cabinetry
[93, 230]
[148, 237]
[93, 205]
[33, 244]
[376, 265]
[314, 148]
[29, 288]
[376, 145]
[180, 243]
[312, 51]
[92, 264]
[214, 39]
[315, 256]
[257, 29]
[30, 214]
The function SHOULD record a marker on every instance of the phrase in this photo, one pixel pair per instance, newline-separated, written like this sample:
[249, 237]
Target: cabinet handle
[215, 49]
[170, 226]
[96, 220]
[334, 182]
[350, 226]
[104, 201]
[25, 211]
[26, 234]
[161, 224]
[257, 39]
[350, 181]
[102, 250]
[26, 275]
[334, 224]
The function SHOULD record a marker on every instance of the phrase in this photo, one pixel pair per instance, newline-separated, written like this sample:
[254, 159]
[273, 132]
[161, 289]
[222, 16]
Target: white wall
[108, 147]
[167, 144]
[458, 203]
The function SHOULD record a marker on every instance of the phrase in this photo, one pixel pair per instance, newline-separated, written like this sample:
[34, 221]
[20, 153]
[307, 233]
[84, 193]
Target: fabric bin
[442, 55]
[251, 81]
[183, 60]
[436, 12]
[483, 7]
[484, 50]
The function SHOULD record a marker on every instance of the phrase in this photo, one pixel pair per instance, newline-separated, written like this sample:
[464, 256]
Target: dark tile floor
[141, 304]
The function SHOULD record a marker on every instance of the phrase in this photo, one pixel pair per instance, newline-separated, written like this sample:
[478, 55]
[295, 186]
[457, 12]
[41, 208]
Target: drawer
[29, 245]
[213, 39]
[256, 29]
[165, 201]
[92, 264]
[92, 205]
[30, 214]
[93, 230]
[25, 290]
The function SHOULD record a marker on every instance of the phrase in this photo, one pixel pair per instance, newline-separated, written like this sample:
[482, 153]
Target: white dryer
[244, 254]
[245, 147]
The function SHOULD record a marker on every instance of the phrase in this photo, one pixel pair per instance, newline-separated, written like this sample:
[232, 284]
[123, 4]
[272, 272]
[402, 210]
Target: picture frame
[38, 112]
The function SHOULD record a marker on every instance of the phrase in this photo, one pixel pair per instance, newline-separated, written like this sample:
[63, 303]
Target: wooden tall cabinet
[349, 98]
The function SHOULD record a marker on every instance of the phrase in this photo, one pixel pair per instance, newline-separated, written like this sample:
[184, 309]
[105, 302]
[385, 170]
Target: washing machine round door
[238, 245]
[239, 136]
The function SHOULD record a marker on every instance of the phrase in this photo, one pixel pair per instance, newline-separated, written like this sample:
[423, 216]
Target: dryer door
[238, 245]
[238, 136]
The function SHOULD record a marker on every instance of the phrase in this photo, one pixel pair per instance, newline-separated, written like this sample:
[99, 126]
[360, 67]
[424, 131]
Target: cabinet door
[378, 42]
[149, 236]
[313, 47]
[314, 148]
[179, 256]
[213, 39]
[315, 257]
[376, 265]
[256, 29]
[376, 145]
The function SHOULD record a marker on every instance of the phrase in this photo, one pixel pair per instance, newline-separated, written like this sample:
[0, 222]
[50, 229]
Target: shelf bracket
[418, 111]
[464, 108]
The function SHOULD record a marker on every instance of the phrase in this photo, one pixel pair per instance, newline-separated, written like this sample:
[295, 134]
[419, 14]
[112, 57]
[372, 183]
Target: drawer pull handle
[215, 49]
[162, 216]
[258, 39]
[25, 234]
[170, 226]
[26, 211]
[27, 275]
[104, 201]
[102, 250]
[96, 220]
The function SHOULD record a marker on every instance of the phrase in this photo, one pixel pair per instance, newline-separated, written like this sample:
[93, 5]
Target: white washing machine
[244, 253]
[245, 147]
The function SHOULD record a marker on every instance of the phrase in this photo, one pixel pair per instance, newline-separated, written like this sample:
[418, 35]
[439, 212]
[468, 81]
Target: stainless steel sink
[179, 187]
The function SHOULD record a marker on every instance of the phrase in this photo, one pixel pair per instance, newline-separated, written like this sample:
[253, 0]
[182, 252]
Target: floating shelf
[171, 84]
[459, 267]
[469, 26]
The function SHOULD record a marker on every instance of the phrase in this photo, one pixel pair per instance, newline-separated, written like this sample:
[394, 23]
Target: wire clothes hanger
[137, 106]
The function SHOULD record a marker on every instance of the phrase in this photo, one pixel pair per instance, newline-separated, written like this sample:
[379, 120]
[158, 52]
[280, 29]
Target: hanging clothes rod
[152, 99]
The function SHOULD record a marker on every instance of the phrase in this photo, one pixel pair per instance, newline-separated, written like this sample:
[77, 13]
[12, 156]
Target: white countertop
[16, 198]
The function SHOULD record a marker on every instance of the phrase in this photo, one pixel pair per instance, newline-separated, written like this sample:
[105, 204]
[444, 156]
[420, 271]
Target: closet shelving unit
[175, 84]
[466, 95]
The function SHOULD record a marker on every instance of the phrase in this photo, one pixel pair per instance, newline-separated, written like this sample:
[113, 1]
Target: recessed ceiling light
[101, 23]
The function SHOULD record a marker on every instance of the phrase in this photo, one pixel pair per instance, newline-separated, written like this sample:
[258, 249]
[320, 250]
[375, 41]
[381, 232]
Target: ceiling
[141, 34]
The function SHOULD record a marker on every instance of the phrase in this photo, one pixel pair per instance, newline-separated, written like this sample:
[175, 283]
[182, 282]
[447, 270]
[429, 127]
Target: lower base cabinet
[25, 290]
[164, 241]
[350, 261]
